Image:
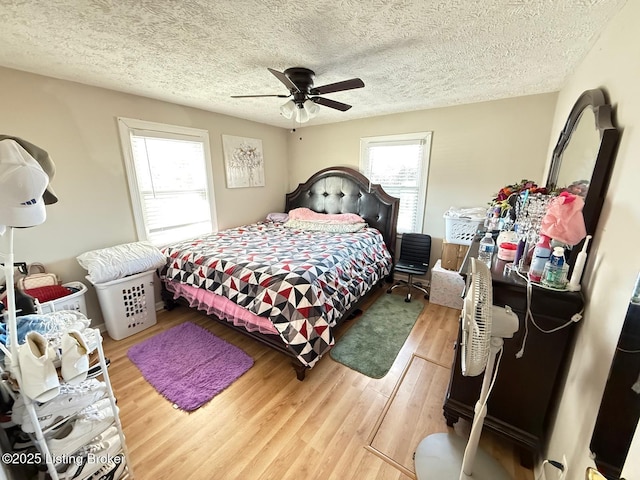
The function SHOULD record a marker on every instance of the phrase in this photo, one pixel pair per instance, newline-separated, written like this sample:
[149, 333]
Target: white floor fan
[443, 456]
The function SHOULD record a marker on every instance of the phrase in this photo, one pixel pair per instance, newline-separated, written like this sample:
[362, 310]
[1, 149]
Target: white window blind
[400, 166]
[169, 182]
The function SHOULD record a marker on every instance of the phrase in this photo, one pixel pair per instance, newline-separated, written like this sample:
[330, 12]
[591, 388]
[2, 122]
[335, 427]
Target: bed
[289, 288]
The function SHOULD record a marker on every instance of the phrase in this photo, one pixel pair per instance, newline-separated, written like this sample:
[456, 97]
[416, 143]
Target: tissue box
[446, 287]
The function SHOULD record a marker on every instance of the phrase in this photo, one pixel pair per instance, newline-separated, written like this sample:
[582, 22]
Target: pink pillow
[309, 215]
[277, 217]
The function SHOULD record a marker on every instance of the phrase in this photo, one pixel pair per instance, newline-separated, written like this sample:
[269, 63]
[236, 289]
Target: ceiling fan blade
[284, 79]
[343, 107]
[338, 86]
[254, 96]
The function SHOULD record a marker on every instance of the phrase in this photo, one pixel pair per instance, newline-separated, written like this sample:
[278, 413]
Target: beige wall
[77, 125]
[614, 260]
[475, 150]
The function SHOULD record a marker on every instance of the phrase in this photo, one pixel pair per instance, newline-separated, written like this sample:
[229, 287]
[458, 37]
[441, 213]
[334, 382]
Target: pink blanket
[309, 215]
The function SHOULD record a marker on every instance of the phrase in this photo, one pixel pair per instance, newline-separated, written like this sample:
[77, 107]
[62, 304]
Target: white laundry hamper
[127, 304]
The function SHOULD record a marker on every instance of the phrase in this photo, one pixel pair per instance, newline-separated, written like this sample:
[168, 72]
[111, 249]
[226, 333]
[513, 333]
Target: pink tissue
[564, 220]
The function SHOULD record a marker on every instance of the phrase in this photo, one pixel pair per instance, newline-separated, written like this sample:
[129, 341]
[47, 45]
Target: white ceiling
[411, 54]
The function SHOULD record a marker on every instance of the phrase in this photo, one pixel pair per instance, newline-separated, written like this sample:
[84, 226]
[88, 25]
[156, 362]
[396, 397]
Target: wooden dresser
[523, 400]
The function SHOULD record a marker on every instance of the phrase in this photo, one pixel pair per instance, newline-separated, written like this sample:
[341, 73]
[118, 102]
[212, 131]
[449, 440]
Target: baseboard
[159, 306]
[101, 326]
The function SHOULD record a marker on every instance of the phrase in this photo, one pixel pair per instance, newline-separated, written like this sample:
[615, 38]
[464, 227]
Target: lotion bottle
[541, 254]
[576, 275]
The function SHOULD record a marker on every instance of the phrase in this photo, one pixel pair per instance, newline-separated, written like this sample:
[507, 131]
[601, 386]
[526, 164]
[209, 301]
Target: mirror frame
[619, 410]
[599, 182]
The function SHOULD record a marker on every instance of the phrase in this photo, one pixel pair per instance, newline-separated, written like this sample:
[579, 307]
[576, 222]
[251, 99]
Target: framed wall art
[243, 161]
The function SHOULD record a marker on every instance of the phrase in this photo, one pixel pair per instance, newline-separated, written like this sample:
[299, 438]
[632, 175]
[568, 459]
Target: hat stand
[10, 313]
[12, 333]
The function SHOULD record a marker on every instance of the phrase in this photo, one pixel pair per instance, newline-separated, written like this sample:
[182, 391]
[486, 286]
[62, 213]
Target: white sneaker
[95, 410]
[21, 441]
[39, 377]
[86, 426]
[69, 396]
[75, 357]
[94, 456]
[112, 470]
[108, 433]
[71, 400]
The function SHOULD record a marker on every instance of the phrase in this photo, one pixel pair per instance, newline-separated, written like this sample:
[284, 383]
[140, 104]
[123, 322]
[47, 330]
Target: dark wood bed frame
[332, 190]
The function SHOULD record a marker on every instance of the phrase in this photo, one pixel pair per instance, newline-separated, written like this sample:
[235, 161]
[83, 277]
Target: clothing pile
[50, 325]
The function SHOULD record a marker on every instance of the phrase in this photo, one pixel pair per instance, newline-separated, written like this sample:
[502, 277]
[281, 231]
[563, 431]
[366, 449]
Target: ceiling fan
[305, 100]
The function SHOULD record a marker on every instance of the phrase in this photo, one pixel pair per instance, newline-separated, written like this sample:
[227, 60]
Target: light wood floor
[336, 424]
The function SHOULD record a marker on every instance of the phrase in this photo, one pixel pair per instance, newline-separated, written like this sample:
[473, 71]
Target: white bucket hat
[22, 184]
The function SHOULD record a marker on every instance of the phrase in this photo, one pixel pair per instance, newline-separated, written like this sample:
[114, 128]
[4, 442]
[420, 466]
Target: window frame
[129, 126]
[404, 138]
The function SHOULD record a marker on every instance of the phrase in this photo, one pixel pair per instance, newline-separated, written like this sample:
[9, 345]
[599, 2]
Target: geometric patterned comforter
[303, 281]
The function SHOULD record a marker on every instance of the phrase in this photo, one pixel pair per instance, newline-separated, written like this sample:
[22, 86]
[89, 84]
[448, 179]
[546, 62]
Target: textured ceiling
[411, 54]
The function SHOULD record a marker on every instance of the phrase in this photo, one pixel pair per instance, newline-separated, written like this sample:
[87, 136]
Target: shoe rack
[12, 367]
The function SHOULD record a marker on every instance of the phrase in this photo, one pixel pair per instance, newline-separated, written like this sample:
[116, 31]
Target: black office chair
[415, 251]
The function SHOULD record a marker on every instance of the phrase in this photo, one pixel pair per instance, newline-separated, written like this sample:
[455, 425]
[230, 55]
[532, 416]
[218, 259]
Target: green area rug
[372, 344]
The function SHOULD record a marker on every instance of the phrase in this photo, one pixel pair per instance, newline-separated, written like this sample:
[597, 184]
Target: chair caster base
[389, 290]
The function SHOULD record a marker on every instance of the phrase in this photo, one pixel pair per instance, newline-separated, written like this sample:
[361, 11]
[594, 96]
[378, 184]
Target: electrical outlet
[563, 474]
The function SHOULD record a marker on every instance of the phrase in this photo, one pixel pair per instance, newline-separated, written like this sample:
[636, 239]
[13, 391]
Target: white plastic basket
[74, 301]
[461, 230]
[127, 304]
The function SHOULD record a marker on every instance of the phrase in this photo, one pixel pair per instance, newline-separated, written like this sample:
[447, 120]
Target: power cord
[624, 350]
[529, 315]
[553, 463]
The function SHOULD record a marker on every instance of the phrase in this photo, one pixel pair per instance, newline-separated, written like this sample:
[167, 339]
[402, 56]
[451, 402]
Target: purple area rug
[189, 365]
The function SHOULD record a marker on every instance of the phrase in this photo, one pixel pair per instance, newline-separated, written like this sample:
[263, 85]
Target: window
[170, 181]
[400, 164]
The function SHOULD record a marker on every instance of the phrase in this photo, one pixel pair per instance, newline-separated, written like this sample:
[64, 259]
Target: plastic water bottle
[554, 274]
[486, 249]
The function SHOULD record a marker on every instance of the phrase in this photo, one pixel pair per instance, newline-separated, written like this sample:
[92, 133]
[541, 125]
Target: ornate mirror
[583, 157]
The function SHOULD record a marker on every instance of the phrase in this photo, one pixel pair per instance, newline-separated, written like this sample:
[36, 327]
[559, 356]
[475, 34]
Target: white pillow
[112, 263]
[324, 227]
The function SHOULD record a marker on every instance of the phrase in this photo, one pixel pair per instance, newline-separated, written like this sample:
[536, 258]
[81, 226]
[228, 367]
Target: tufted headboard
[345, 190]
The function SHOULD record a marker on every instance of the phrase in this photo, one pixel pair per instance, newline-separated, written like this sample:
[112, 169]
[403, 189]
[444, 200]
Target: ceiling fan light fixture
[311, 108]
[288, 109]
[299, 82]
[302, 115]
[301, 112]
